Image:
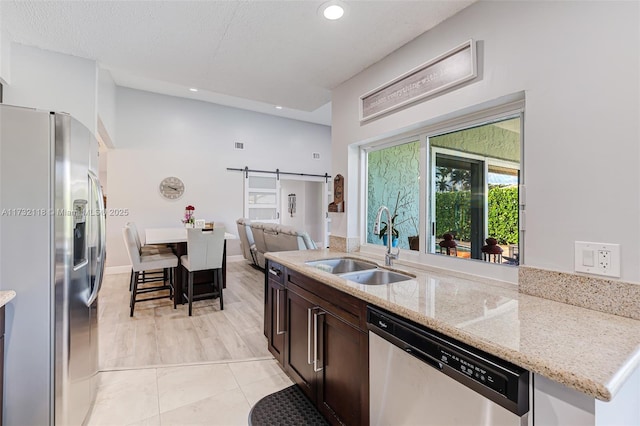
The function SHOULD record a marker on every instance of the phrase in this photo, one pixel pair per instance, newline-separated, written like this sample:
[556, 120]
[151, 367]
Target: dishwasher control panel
[478, 372]
[497, 379]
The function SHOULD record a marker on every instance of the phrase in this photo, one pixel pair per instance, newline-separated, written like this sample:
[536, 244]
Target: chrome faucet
[389, 256]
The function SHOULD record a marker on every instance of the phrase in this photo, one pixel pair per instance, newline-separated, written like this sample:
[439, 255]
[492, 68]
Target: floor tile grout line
[158, 395]
[190, 364]
[245, 304]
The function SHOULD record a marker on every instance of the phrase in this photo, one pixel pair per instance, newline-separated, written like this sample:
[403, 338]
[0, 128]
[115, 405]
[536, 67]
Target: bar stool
[147, 248]
[166, 262]
[148, 276]
[205, 252]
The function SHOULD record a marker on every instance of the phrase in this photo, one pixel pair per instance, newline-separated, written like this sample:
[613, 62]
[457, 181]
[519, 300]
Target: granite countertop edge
[6, 296]
[604, 391]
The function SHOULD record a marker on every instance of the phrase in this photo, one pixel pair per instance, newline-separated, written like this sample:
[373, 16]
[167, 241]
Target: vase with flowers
[189, 217]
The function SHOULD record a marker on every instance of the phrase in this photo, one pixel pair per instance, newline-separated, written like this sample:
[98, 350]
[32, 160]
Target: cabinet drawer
[275, 272]
[343, 305]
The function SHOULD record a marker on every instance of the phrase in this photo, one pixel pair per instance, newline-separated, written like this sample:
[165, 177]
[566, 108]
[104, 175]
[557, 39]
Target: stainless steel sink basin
[341, 265]
[376, 277]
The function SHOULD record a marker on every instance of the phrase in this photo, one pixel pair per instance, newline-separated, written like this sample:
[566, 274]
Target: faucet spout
[389, 256]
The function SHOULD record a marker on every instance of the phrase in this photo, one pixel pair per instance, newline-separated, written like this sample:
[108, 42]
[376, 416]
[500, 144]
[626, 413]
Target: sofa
[247, 243]
[271, 237]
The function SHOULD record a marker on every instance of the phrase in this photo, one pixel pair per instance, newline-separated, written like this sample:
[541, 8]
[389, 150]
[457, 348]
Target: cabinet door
[299, 342]
[343, 364]
[275, 327]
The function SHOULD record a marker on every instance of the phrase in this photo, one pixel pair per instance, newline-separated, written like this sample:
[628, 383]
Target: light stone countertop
[587, 350]
[6, 296]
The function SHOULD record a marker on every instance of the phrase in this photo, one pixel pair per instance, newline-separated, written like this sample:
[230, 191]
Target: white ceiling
[247, 54]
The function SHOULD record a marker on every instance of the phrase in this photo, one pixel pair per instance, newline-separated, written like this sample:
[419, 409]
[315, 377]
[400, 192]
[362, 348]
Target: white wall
[578, 65]
[106, 122]
[5, 56]
[107, 105]
[160, 136]
[293, 187]
[315, 210]
[5, 51]
[309, 206]
[53, 81]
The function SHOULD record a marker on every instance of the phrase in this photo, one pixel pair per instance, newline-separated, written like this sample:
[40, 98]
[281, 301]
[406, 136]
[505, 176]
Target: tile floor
[205, 394]
[162, 367]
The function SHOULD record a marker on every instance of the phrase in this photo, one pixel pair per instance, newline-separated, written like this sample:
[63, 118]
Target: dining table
[176, 238]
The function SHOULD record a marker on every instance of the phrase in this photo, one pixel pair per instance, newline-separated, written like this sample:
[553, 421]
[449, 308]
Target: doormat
[286, 407]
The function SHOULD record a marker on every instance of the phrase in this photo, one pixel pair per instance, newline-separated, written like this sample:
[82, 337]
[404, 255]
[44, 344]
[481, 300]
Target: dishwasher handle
[424, 357]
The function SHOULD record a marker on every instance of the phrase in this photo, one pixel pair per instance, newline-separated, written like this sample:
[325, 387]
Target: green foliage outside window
[503, 214]
[453, 213]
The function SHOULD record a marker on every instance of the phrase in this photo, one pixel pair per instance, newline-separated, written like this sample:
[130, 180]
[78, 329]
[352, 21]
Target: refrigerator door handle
[102, 240]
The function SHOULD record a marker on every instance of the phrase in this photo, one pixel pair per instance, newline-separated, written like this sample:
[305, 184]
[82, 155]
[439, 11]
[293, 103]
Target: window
[393, 180]
[474, 192]
[470, 193]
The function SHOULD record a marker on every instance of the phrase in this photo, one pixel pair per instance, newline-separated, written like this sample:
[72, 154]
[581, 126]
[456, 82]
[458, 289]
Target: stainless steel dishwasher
[421, 377]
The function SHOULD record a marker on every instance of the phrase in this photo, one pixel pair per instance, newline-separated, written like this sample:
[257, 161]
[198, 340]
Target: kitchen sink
[341, 265]
[376, 277]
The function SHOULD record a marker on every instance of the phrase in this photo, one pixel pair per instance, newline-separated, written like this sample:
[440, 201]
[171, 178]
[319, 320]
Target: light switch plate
[597, 258]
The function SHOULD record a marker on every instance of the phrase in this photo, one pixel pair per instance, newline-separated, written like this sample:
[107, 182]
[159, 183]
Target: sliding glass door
[459, 203]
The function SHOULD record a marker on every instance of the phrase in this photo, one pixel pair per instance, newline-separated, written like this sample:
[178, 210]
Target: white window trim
[477, 117]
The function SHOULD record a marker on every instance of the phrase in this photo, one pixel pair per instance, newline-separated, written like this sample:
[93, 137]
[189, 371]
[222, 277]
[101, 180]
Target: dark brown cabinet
[274, 322]
[325, 345]
[343, 383]
[298, 362]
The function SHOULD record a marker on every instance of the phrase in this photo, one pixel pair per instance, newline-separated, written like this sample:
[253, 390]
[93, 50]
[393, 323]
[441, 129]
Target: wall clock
[171, 188]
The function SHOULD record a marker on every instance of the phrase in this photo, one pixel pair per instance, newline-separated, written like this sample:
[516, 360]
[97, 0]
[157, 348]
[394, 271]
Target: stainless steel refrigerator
[52, 251]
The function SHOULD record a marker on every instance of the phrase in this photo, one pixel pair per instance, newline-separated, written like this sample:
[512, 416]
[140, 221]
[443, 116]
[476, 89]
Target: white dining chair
[205, 251]
[166, 262]
[148, 276]
[146, 248]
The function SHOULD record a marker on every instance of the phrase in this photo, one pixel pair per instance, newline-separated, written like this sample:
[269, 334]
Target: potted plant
[394, 231]
[189, 218]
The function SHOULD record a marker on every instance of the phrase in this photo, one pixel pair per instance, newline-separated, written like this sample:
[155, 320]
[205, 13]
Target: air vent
[316, 155]
[240, 145]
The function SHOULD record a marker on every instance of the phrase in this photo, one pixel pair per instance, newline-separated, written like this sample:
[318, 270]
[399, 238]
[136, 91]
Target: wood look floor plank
[146, 349]
[157, 334]
[236, 346]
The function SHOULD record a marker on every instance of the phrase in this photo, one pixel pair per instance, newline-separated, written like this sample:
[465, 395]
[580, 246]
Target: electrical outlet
[597, 258]
[604, 257]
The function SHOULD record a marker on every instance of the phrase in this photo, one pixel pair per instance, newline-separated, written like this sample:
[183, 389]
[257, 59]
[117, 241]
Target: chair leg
[190, 293]
[134, 292]
[219, 276]
[131, 281]
[178, 296]
[170, 276]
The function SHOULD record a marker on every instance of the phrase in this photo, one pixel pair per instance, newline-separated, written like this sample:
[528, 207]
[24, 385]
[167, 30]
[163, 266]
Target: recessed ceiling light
[193, 89]
[333, 10]
[278, 107]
